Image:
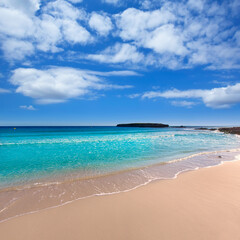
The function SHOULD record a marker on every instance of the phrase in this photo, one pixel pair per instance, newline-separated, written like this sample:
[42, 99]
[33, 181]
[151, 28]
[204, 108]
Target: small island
[143, 125]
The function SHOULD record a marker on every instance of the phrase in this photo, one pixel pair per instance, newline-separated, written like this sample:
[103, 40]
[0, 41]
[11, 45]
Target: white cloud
[29, 7]
[171, 34]
[30, 107]
[218, 56]
[58, 23]
[102, 24]
[114, 73]
[65, 22]
[47, 42]
[134, 95]
[135, 24]
[60, 9]
[2, 90]
[75, 1]
[119, 53]
[15, 23]
[165, 39]
[183, 34]
[17, 49]
[55, 85]
[146, 4]
[196, 5]
[223, 97]
[186, 104]
[114, 2]
[75, 33]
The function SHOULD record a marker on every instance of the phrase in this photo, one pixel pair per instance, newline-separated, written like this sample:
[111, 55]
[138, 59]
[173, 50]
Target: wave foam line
[43, 184]
[236, 158]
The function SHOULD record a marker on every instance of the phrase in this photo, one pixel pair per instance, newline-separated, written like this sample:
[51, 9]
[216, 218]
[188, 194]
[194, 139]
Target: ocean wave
[51, 183]
[148, 180]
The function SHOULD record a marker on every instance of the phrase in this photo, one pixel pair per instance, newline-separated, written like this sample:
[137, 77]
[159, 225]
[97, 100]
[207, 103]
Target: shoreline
[221, 161]
[153, 197]
[73, 175]
[53, 181]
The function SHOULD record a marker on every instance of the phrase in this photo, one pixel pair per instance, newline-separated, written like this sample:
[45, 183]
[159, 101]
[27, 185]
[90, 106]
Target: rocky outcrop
[232, 130]
[142, 125]
[203, 128]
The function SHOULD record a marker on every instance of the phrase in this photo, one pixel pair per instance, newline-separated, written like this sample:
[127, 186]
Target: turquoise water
[32, 154]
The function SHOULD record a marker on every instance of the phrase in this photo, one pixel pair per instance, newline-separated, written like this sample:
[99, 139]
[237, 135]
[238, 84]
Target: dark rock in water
[178, 126]
[147, 125]
[232, 130]
[203, 128]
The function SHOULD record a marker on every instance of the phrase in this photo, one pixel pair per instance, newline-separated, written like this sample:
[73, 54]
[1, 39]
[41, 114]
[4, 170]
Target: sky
[103, 62]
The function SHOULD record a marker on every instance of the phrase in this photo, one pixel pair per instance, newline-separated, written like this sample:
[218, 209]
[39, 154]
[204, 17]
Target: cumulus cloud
[100, 23]
[48, 42]
[29, 7]
[223, 97]
[63, 19]
[30, 107]
[183, 34]
[134, 24]
[171, 34]
[119, 53]
[75, 33]
[165, 39]
[61, 9]
[59, 22]
[17, 49]
[152, 30]
[15, 23]
[58, 84]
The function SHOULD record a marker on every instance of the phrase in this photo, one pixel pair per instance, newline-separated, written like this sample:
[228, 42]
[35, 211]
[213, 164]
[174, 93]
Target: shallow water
[34, 154]
[46, 167]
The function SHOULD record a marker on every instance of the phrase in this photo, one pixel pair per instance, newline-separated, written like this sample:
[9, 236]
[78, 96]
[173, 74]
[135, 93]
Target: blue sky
[87, 62]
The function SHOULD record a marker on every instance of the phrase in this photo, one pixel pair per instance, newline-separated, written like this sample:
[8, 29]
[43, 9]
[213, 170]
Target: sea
[44, 167]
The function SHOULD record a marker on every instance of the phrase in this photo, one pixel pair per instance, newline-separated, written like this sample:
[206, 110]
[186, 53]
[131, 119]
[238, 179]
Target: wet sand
[202, 204]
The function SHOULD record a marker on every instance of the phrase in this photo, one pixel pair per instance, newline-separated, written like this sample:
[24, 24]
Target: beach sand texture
[202, 204]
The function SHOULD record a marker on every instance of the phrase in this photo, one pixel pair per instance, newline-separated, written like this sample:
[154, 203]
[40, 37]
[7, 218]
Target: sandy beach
[202, 204]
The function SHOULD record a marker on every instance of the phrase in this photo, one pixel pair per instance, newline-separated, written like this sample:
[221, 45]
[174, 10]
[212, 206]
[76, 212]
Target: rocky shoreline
[232, 130]
[229, 130]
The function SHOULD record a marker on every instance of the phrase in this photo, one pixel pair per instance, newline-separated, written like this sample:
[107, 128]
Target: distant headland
[147, 125]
